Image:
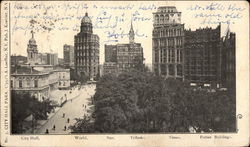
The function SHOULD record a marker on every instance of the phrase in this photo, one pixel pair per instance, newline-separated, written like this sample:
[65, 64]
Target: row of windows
[170, 56]
[88, 69]
[199, 73]
[126, 65]
[28, 83]
[168, 32]
[62, 83]
[170, 69]
[164, 20]
[86, 54]
[87, 48]
[87, 39]
[61, 75]
[169, 42]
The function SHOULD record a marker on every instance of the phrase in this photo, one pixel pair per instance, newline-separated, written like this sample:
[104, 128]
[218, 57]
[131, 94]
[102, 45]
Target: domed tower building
[32, 51]
[86, 50]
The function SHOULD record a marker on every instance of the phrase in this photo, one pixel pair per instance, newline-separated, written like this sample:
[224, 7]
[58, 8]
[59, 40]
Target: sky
[55, 23]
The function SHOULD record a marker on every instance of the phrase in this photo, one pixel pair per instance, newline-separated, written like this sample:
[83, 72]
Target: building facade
[63, 78]
[32, 81]
[121, 58]
[110, 53]
[110, 68]
[39, 80]
[128, 56]
[86, 50]
[68, 55]
[228, 72]
[168, 43]
[203, 56]
[52, 59]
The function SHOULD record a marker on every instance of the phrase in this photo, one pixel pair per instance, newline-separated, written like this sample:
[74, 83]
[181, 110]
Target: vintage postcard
[124, 73]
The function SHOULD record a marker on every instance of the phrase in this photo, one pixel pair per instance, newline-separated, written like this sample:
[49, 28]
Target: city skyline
[196, 68]
[54, 41]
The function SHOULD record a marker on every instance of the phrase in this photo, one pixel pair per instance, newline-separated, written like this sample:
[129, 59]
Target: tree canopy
[140, 102]
[23, 105]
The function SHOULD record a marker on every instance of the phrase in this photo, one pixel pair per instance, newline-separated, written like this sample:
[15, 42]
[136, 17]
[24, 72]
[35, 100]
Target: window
[172, 55]
[28, 83]
[181, 56]
[20, 83]
[171, 69]
[179, 70]
[11, 83]
[36, 83]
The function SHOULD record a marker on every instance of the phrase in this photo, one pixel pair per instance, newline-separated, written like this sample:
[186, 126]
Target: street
[73, 108]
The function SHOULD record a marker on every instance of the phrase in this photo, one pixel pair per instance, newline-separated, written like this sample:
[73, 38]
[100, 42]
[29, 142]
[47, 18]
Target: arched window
[161, 19]
[157, 18]
[20, 83]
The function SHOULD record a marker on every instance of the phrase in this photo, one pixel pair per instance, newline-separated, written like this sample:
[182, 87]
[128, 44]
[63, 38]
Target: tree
[23, 105]
[82, 126]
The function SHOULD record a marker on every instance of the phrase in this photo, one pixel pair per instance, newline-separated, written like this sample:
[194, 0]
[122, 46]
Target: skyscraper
[68, 55]
[203, 56]
[168, 43]
[86, 49]
[123, 57]
[228, 64]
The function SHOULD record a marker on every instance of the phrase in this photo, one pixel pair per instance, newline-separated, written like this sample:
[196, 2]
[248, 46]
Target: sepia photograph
[120, 68]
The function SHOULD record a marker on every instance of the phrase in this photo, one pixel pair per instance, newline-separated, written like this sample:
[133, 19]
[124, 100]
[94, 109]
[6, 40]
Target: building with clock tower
[124, 57]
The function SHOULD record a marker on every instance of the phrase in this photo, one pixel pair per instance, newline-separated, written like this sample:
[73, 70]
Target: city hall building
[86, 50]
[168, 43]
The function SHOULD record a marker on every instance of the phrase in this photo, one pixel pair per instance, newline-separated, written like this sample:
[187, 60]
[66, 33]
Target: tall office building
[123, 57]
[168, 43]
[86, 49]
[68, 55]
[52, 59]
[203, 56]
[110, 53]
[228, 72]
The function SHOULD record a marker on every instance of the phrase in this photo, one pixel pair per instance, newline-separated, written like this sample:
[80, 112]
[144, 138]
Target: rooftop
[167, 9]
[23, 70]
[86, 19]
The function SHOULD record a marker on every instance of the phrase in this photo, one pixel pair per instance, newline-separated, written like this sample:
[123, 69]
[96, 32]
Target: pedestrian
[54, 127]
[47, 131]
[68, 120]
[65, 128]
[85, 106]
[63, 115]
